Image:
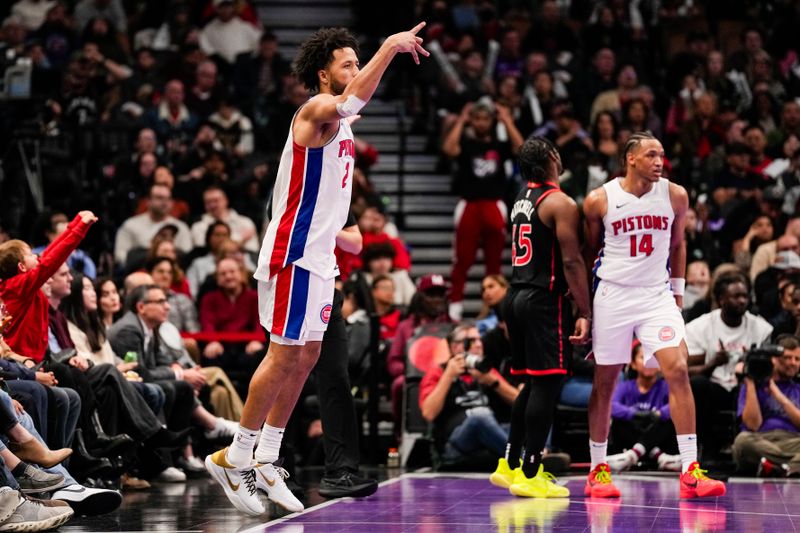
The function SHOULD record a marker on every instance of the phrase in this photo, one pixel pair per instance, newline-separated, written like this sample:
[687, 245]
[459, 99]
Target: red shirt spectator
[23, 276]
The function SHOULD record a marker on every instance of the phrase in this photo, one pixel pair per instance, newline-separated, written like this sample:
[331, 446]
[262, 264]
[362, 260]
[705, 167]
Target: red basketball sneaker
[695, 484]
[599, 484]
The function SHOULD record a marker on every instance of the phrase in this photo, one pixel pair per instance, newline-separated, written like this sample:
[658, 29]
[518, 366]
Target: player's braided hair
[534, 157]
[316, 53]
[634, 141]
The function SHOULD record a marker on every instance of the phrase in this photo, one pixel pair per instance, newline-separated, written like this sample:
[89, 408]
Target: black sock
[19, 469]
[516, 433]
[541, 405]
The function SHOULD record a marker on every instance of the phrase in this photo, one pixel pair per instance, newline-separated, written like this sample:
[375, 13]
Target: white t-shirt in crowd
[703, 336]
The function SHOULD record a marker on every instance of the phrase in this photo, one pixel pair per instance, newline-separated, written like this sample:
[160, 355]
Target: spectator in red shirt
[383, 298]
[23, 274]
[756, 140]
[372, 224]
[233, 307]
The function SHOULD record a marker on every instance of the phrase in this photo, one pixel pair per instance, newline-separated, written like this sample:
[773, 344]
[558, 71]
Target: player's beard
[337, 88]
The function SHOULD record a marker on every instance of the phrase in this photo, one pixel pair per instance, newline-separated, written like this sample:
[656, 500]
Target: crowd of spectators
[166, 120]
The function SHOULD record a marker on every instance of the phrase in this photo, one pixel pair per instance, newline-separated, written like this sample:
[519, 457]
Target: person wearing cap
[718, 342]
[227, 36]
[429, 305]
[138, 231]
[480, 181]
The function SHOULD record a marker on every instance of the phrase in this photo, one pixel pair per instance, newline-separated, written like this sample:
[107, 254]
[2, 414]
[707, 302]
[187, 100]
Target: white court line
[271, 523]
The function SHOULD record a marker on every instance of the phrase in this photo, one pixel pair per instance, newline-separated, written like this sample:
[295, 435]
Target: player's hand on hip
[583, 327]
[408, 42]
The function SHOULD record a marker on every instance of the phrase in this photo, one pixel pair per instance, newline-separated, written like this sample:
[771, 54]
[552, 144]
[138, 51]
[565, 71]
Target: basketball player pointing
[635, 229]
[297, 266]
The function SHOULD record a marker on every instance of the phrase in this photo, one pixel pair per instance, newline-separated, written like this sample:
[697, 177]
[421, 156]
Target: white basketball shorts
[295, 306]
[621, 311]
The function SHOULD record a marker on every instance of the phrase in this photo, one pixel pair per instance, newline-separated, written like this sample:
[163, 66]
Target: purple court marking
[434, 503]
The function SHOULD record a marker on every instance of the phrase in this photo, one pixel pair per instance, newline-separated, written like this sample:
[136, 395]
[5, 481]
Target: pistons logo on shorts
[666, 334]
[325, 313]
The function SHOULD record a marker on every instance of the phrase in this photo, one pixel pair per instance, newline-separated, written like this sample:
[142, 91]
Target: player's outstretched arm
[328, 108]
[677, 245]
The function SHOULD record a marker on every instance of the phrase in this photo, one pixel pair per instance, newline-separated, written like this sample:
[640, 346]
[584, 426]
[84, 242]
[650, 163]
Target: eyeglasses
[160, 301]
[470, 339]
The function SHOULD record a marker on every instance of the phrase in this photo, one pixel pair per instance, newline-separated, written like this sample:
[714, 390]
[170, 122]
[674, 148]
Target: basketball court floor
[445, 503]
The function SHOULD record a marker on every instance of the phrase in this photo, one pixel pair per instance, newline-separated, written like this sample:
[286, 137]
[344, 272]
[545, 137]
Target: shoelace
[281, 471]
[698, 473]
[249, 478]
[547, 476]
[603, 476]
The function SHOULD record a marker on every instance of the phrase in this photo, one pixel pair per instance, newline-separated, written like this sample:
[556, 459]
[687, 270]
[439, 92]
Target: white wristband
[678, 285]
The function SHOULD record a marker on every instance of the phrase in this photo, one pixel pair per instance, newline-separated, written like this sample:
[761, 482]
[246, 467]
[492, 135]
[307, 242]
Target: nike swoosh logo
[230, 483]
[621, 205]
[269, 482]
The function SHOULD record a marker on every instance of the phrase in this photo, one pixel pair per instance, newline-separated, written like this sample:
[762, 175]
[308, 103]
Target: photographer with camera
[769, 408]
[717, 343]
[456, 397]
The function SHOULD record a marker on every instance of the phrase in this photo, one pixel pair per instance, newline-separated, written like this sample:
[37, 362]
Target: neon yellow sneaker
[542, 485]
[503, 477]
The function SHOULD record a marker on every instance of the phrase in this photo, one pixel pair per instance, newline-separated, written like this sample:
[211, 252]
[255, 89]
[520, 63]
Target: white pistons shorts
[295, 305]
[621, 311]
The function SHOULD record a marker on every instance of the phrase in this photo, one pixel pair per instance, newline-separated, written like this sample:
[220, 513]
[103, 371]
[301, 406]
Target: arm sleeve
[54, 256]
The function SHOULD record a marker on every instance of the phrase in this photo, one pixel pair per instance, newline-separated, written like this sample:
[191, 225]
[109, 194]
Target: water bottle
[393, 459]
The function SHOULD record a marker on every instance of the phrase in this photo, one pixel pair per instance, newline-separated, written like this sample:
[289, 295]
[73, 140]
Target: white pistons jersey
[636, 236]
[310, 204]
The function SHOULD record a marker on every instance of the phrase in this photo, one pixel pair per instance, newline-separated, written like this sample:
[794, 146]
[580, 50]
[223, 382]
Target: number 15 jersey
[535, 252]
[636, 236]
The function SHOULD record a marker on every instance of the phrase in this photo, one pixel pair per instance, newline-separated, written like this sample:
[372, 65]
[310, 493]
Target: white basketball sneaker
[239, 485]
[270, 479]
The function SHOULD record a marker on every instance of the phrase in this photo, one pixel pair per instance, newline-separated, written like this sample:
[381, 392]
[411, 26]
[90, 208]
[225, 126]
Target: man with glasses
[770, 412]
[456, 397]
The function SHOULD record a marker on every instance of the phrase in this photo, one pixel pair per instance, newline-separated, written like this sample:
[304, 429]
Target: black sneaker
[347, 484]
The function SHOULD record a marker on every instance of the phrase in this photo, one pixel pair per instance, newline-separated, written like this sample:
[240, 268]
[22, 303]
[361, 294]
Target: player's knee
[677, 372]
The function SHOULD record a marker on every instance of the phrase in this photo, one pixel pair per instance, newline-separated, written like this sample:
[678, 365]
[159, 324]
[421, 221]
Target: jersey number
[522, 242]
[346, 173]
[645, 245]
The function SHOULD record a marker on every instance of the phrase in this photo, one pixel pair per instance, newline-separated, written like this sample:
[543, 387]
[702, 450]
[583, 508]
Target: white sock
[269, 445]
[639, 450]
[240, 452]
[687, 445]
[597, 450]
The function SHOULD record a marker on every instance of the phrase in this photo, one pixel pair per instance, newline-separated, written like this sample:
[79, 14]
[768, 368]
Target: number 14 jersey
[535, 253]
[636, 236]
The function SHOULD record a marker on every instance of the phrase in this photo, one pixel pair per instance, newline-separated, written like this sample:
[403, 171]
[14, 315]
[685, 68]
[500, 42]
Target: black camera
[477, 362]
[758, 361]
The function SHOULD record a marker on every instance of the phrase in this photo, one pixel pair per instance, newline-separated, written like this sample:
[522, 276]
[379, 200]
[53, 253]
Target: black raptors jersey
[535, 253]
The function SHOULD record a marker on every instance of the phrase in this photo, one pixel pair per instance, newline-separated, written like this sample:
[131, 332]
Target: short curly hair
[316, 53]
[534, 158]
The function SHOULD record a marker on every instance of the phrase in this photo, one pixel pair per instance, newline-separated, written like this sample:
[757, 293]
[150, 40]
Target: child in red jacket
[22, 275]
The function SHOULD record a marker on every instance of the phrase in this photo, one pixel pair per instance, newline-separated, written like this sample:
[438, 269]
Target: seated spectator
[493, 289]
[217, 209]
[766, 286]
[163, 176]
[786, 321]
[735, 181]
[756, 140]
[227, 36]
[233, 307]
[164, 246]
[138, 231]
[770, 415]
[23, 274]
[31, 13]
[229, 249]
[216, 234]
[698, 283]
[640, 419]
[182, 312]
[176, 30]
[78, 260]
[766, 253]
[455, 398]
[717, 343]
[429, 305]
[109, 303]
[204, 95]
[378, 259]
[384, 302]
[234, 130]
[628, 87]
[759, 232]
[172, 121]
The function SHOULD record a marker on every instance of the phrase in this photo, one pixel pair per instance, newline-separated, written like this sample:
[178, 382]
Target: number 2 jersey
[310, 204]
[636, 236]
[535, 252]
